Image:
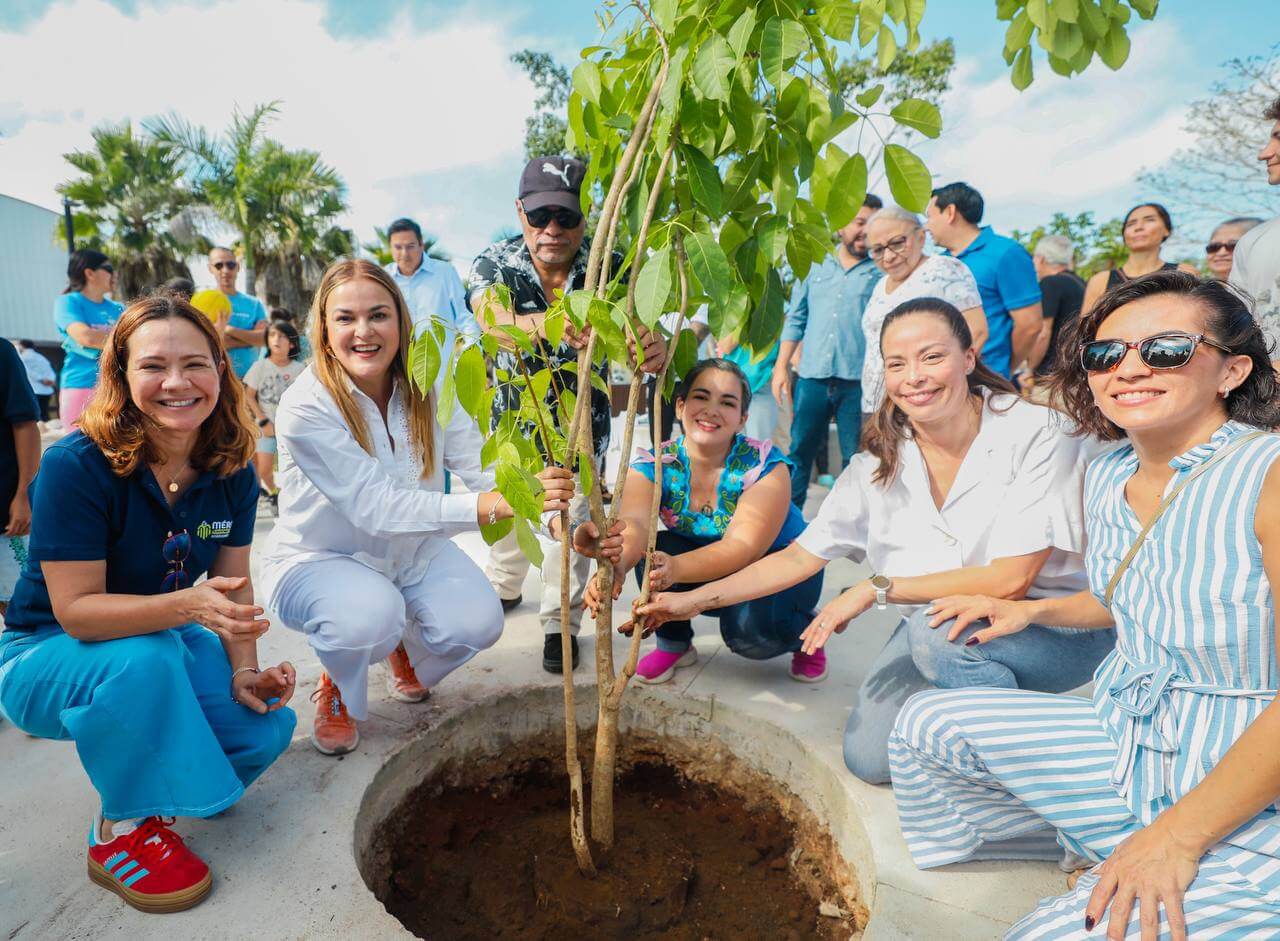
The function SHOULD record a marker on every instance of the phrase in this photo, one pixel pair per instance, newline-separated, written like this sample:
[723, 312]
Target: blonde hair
[122, 432]
[335, 379]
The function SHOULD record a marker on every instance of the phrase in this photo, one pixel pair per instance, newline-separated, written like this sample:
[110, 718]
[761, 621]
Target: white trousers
[354, 616]
[508, 567]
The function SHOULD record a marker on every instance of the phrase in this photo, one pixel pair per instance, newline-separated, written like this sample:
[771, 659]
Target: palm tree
[380, 247]
[133, 207]
[227, 171]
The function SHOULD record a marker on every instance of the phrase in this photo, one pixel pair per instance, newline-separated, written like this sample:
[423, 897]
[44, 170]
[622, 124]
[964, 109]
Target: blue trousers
[919, 657]
[152, 717]
[815, 402]
[758, 630]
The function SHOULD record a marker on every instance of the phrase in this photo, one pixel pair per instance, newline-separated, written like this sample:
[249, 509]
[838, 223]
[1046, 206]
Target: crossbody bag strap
[1164, 505]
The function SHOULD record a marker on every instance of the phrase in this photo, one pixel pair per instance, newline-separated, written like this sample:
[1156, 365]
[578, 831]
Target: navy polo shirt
[1007, 280]
[82, 512]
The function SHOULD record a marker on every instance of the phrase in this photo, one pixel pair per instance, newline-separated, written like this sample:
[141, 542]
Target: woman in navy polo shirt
[109, 642]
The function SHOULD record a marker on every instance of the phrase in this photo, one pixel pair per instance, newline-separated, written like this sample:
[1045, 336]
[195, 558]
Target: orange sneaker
[334, 732]
[402, 682]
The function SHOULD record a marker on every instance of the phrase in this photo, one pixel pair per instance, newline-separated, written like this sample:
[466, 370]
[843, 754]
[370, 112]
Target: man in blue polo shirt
[431, 287]
[1004, 271]
[244, 332]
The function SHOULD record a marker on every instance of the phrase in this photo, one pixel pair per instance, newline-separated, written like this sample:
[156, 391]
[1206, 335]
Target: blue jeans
[759, 629]
[918, 657]
[151, 716]
[815, 402]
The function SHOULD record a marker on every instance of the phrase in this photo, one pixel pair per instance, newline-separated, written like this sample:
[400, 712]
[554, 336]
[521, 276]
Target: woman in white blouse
[962, 484]
[360, 559]
[895, 241]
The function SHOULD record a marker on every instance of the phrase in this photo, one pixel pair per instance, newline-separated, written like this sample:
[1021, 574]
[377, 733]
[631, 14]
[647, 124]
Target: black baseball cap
[552, 181]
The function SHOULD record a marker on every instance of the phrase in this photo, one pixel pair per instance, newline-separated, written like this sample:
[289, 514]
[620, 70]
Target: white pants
[508, 567]
[354, 616]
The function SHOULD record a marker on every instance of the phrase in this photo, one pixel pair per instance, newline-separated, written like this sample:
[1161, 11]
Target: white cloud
[379, 110]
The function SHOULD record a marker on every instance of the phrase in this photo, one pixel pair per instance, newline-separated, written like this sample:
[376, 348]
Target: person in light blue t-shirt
[1004, 271]
[244, 332]
[83, 315]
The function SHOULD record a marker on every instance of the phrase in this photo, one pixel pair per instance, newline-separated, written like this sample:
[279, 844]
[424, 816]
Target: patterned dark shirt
[508, 262]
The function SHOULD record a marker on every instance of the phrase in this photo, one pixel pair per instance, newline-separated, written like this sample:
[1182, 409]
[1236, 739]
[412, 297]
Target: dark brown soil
[691, 864]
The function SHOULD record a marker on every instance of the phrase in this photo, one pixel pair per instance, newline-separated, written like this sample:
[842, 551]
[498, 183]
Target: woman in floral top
[726, 502]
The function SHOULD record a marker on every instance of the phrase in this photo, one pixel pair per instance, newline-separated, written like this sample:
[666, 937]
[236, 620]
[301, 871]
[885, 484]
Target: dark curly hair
[1229, 322]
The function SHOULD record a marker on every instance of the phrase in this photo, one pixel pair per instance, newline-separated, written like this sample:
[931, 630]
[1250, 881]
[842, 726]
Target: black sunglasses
[1162, 351]
[175, 550]
[1215, 247]
[229, 265]
[565, 218]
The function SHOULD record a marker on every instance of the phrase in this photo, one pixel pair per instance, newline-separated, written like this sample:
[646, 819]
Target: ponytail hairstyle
[420, 408]
[889, 426]
[82, 260]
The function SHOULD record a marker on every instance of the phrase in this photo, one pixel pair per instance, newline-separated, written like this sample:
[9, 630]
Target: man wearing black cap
[549, 257]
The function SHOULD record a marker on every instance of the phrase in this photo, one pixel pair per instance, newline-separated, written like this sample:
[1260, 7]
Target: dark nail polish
[971, 642]
[1088, 922]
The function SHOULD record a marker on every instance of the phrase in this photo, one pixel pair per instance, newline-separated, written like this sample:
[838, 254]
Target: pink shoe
[658, 666]
[809, 668]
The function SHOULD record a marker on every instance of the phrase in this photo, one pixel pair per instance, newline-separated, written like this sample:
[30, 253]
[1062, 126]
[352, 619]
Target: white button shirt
[1019, 490]
[337, 500]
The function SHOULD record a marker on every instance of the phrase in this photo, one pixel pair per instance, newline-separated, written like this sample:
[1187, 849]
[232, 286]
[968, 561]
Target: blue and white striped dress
[982, 774]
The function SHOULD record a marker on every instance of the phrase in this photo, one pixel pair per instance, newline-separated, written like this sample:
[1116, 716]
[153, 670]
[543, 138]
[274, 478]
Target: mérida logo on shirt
[218, 529]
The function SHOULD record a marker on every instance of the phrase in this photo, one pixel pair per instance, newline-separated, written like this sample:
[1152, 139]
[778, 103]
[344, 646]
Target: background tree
[545, 129]
[380, 247]
[1219, 176]
[1098, 246]
[130, 203]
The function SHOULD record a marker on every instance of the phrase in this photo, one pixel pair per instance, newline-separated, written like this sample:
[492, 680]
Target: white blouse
[937, 276]
[1019, 490]
[337, 500]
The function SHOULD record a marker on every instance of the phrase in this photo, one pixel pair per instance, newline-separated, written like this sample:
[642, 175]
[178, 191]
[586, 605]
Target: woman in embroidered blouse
[961, 483]
[726, 502]
[1170, 776]
[360, 559]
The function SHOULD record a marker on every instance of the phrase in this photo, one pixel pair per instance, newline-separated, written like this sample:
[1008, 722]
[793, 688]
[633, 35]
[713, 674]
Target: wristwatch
[882, 584]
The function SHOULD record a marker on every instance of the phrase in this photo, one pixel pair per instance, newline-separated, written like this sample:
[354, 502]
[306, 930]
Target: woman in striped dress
[1170, 778]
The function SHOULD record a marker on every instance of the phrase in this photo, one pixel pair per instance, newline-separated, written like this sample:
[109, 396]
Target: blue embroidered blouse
[747, 461]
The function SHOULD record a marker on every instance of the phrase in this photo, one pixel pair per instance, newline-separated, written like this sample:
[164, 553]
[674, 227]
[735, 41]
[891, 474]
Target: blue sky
[415, 104]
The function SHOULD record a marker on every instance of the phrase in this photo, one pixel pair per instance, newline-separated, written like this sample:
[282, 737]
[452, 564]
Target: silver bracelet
[236, 673]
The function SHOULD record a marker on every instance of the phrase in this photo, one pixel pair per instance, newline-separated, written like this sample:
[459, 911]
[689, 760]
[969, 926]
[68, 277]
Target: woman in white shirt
[360, 559]
[895, 242]
[961, 484]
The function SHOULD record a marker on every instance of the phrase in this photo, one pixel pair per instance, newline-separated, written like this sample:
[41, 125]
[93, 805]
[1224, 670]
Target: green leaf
[1067, 11]
[610, 331]
[741, 180]
[920, 115]
[686, 353]
[838, 19]
[670, 96]
[772, 237]
[766, 320]
[528, 542]
[553, 325]
[711, 67]
[781, 44]
[868, 98]
[1068, 39]
[1022, 74]
[1038, 11]
[870, 16]
[704, 180]
[664, 13]
[1114, 48]
[848, 190]
[499, 530]
[1093, 21]
[586, 81]
[469, 377]
[424, 362]
[710, 266]
[576, 139]
[1019, 32]
[579, 307]
[1146, 8]
[909, 179]
[586, 473]
[448, 397]
[653, 287]
[740, 32]
[518, 336]
[886, 49]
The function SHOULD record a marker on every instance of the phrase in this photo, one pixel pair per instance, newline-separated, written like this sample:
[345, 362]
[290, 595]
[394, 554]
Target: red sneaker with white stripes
[150, 868]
